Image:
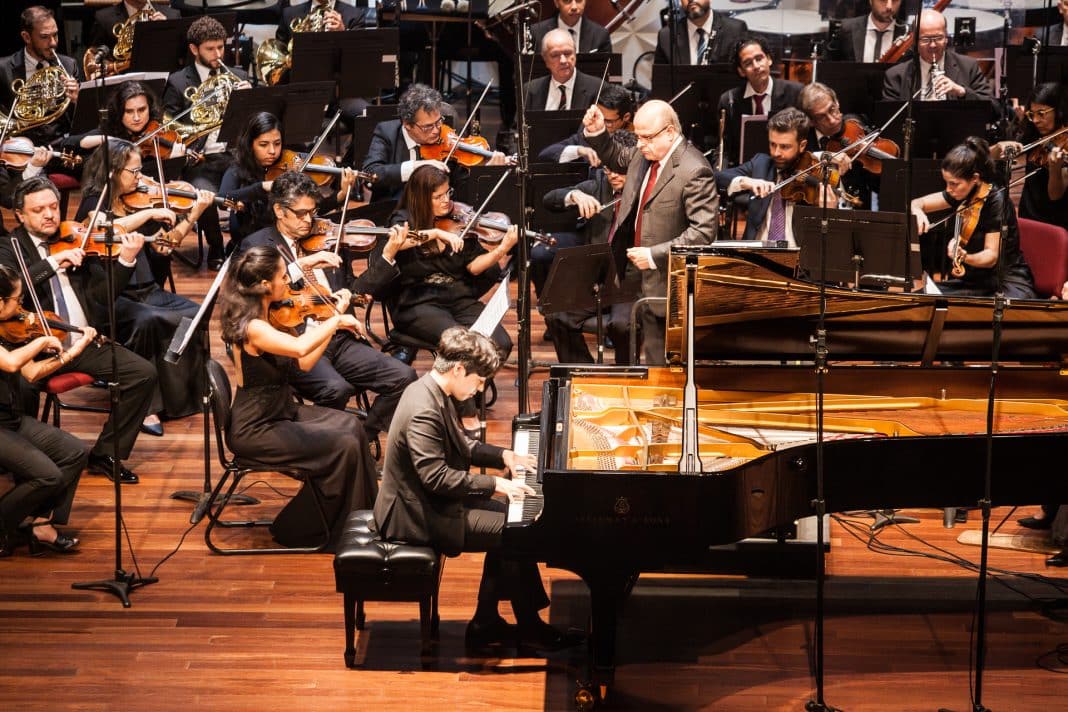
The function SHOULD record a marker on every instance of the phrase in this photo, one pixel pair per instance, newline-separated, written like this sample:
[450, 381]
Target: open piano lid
[750, 306]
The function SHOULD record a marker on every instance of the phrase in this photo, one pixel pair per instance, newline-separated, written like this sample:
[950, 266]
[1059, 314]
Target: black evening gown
[269, 426]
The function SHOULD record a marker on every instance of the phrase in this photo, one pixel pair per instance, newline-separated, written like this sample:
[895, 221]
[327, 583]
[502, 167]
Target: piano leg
[608, 591]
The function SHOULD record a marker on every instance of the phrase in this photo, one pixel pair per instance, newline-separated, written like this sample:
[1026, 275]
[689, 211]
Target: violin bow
[319, 142]
[162, 178]
[682, 91]
[604, 76]
[27, 286]
[482, 208]
[1039, 142]
[965, 206]
[309, 281]
[463, 131]
[341, 221]
[96, 211]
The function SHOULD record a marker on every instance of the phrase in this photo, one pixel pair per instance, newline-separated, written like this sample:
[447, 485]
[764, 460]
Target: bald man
[565, 87]
[961, 77]
[669, 199]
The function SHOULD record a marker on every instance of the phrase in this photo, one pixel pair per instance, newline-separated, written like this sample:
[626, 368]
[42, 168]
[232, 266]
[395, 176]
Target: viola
[304, 304]
[360, 235]
[181, 196]
[77, 235]
[872, 157]
[490, 228]
[968, 220]
[321, 168]
[17, 152]
[1059, 140]
[806, 188]
[471, 151]
[24, 327]
[153, 135]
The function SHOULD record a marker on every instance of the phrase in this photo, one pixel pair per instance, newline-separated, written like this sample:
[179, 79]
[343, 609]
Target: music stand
[300, 107]
[549, 127]
[940, 125]
[546, 177]
[331, 56]
[1051, 65]
[363, 127]
[857, 84]
[161, 46]
[860, 244]
[753, 138]
[591, 63]
[86, 119]
[926, 178]
[698, 107]
[478, 183]
[584, 277]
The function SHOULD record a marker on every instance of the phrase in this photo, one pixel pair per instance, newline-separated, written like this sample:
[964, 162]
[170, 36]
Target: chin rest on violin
[490, 228]
[304, 304]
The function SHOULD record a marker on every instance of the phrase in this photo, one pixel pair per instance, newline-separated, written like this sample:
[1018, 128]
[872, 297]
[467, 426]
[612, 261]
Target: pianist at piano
[429, 495]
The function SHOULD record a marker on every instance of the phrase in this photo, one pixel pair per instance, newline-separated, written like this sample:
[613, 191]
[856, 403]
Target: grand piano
[905, 424]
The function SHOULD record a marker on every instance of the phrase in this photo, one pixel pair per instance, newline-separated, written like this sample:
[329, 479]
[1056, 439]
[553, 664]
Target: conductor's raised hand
[593, 121]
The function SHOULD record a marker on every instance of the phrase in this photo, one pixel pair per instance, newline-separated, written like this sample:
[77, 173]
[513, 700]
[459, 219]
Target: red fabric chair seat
[64, 181]
[66, 382]
[1045, 247]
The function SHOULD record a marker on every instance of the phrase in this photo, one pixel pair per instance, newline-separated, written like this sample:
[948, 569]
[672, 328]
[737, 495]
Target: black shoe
[155, 429]
[10, 542]
[544, 638]
[1058, 560]
[102, 465]
[215, 263]
[1035, 523]
[62, 545]
[492, 633]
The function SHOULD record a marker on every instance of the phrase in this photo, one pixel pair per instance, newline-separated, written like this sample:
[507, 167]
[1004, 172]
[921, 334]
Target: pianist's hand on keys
[516, 462]
[514, 489]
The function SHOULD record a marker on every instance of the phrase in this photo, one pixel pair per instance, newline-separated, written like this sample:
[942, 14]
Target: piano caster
[588, 696]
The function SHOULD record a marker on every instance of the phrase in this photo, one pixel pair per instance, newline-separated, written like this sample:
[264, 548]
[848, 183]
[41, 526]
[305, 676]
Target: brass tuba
[120, 55]
[39, 100]
[209, 104]
[273, 59]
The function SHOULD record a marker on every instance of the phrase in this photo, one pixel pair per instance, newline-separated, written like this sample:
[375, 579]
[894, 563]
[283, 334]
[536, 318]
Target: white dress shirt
[575, 32]
[74, 308]
[750, 92]
[691, 30]
[870, 33]
[295, 273]
[408, 166]
[552, 102]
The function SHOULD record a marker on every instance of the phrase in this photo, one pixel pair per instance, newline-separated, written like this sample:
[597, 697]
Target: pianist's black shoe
[1058, 560]
[490, 633]
[101, 465]
[1035, 522]
[541, 637]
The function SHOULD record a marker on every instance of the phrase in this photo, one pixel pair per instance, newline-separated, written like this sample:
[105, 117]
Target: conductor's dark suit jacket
[426, 475]
[962, 70]
[759, 166]
[727, 32]
[853, 35]
[351, 16]
[592, 36]
[104, 22]
[585, 92]
[13, 67]
[784, 93]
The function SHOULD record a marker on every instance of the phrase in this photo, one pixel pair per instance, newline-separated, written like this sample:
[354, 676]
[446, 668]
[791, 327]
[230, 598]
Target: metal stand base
[202, 498]
[885, 517]
[120, 586]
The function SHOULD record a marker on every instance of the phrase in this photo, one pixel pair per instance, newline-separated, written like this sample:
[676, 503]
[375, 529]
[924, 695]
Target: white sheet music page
[494, 310]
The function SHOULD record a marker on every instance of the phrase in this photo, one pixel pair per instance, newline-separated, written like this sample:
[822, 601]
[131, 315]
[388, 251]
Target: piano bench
[366, 568]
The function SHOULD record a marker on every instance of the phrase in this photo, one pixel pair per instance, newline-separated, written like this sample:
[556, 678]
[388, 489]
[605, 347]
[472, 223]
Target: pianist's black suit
[136, 376]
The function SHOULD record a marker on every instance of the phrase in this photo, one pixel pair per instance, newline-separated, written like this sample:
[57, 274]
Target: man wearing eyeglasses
[669, 199]
[944, 74]
[349, 363]
[395, 150]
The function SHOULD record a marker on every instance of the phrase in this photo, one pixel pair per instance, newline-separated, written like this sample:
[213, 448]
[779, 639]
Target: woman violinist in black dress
[969, 174]
[268, 424]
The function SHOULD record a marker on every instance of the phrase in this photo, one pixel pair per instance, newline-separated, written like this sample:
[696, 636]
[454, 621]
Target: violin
[181, 196]
[872, 157]
[490, 228]
[360, 235]
[471, 151]
[17, 152]
[24, 327]
[76, 235]
[806, 188]
[153, 135]
[304, 304]
[967, 221]
[1056, 140]
[321, 168]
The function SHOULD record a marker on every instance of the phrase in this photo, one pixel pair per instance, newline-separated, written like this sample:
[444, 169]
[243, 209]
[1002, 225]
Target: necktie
[309, 274]
[573, 38]
[702, 41]
[645, 199]
[58, 298]
[777, 225]
[879, 35]
[759, 101]
[563, 98]
[215, 72]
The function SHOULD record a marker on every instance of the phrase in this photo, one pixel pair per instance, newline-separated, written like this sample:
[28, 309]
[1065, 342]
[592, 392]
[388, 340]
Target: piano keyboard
[525, 441]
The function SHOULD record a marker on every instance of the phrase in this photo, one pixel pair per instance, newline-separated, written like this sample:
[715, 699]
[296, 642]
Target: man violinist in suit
[867, 37]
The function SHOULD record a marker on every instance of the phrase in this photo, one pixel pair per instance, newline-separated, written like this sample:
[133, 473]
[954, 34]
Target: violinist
[866, 37]
[769, 216]
[45, 462]
[71, 284]
[257, 156]
[704, 37]
[268, 424]
[977, 246]
[395, 150]
[1043, 197]
[147, 314]
[349, 363]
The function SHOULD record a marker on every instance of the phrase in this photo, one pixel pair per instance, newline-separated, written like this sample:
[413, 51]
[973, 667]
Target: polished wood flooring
[265, 633]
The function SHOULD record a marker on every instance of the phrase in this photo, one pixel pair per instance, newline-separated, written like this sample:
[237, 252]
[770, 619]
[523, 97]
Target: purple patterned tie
[777, 225]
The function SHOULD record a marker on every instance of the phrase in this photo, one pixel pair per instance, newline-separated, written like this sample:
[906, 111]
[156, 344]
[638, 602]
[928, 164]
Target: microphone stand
[522, 170]
[122, 582]
[674, 14]
[907, 136]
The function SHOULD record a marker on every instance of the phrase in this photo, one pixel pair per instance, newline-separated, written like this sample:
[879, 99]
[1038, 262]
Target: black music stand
[363, 127]
[1050, 65]
[545, 177]
[86, 119]
[300, 107]
[584, 277]
[698, 107]
[333, 56]
[591, 63]
[161, 46]
[478, 183]
[926, 178]
[549, 127]
[940, 125]
[860, 244]
[753, 137]
[858, 84]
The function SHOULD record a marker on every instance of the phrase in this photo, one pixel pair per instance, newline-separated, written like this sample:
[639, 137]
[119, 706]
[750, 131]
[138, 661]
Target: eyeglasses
[612, 122]
[833, 110]
[447, 195]
[133, 171]
[932, 39]
[301, 214]
[12, 298]
[431, 126]
[1032, 115]
[650, 137]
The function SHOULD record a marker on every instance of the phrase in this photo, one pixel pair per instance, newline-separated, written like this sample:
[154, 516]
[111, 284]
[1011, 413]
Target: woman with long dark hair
[1045, 194]
[130, 110]
[968, 171]
[258, 148]
[44, 461]
[267, 422]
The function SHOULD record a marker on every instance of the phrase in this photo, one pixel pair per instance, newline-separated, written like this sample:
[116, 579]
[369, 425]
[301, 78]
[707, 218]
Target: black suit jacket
[592, 36]
[1056, 35]
[13, 67]
[597, 228]
[853, 35]
[104, 22]
[270, 237]
[759, 166]
[726, 31]
[585, 91]
[784, 93]
[174, 100]
[353, 17]
[385, 155]
[962, 70]
[426, 474]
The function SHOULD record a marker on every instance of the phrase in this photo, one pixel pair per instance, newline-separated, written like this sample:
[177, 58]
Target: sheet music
[929, 287]
[494, 310]
[128, 77]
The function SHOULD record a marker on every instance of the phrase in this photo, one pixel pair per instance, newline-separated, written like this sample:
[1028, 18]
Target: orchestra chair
[66, 185]
[55, 386]
[366, 568]
[1045, 247]
[235, 469]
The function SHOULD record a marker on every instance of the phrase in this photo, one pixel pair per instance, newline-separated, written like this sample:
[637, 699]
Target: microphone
[101, 53]
[515, 9]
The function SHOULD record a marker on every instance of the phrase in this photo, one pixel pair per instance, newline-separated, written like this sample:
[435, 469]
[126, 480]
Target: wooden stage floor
[263, 633]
